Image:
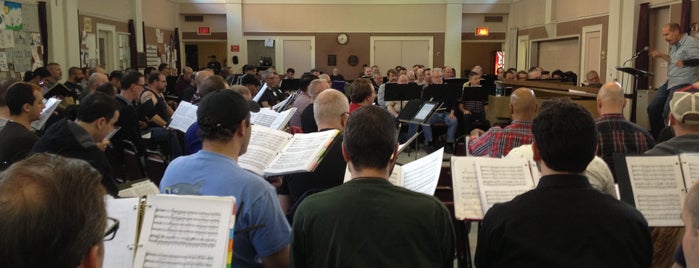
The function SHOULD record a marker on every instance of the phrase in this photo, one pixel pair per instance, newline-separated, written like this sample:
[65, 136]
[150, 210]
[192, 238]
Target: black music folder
[289, 84]
[478, 93]
[400, 92]
[58, 90]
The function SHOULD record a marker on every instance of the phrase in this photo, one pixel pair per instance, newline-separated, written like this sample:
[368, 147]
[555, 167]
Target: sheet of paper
[422, 175]
[690, 168]
[7, 39]
[283, 103]
[500, 180]
[467, 197]
[118, 253]
[271, 119]
[184, 231]
[50, 105]
[263, 147]
[3, 62]
[301, 153]
[658, 188]
[143, 188]
[260, 92]
[185, 115]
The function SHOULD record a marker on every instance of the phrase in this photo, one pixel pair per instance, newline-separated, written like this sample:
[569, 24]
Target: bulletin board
[20, 38]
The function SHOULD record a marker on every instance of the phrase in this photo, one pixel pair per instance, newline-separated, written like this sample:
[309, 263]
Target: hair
[242, 90]
[53, 212]
[73, 70]
[566, 136]
[148, 70]
[370, 137]
[19, 94]
[92, 81]
[305, 81]
[95, 106]
[330, 105]
[153, 77]
[106, 88]
[360, 89]
[248, 68]
[4, 85]
[290, 70]
[201, 76]
[52, 65]
[130, 78]
[315, 87]
[210, 84]
[673, 27]
[116, 75]
[392, 71]
[164, 65]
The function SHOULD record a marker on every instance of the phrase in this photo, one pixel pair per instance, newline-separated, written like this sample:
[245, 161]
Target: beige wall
[521, 13]
[113, 10]
[217, 22]
[564, 10]
[469, 22]
[344, 18]
[159, 13]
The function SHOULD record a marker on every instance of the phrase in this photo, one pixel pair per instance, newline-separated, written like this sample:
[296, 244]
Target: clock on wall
[342, 38]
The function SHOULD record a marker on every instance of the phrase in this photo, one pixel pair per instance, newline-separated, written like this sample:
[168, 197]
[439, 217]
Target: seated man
[473, 110]
[447, 117]
[97, 115]
[361, 93]
[54, 214]
[262, 232]
[158, 113]
[330, 110]
[368, 222]
[16, 139]
[497, 142]
[563, 222]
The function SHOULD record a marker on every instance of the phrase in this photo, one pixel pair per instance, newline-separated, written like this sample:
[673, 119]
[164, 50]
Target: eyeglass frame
[110, 233]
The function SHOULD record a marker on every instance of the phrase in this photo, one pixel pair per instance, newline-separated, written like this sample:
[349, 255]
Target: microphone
[640, 51]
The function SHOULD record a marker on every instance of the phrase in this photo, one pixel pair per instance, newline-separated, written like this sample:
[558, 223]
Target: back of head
[116, 75]
[305, 81]
[566, 136]
[317, 86]
[96, 79]
[201, 76]
[130, 78]
[53, 212]
[19, 94]
[243, 91]
[329, 107]
[4, 85]
[212, 83]
[250, 80]
[684, 107]
[611, 94]
[106, 88]
[370, 137]
[523, 101]
[219, 115]
[360, 89]
[97, 105]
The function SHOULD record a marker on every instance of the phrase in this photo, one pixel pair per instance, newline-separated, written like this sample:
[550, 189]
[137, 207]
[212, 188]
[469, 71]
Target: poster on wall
[7, 39]
[152, 55]
[13, 16]
[3, 62]
[88, 50]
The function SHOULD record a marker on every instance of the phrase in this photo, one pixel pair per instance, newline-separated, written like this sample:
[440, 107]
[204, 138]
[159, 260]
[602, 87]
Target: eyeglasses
[112, 227]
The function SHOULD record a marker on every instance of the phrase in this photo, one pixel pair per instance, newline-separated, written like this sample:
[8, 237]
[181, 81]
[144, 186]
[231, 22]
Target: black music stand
[398, 92]
[636, 73]
[289, 84]
[443, 92]
[478, 93]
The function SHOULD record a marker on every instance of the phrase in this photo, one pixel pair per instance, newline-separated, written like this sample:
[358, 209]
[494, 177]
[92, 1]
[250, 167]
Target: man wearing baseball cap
[684, 120]
[262, 232]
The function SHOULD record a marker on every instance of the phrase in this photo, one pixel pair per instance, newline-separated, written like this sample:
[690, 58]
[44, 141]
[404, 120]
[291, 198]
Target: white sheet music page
[185, 231]
[500, 180]
[118, 253]
[658, 188]
[282, 119]
[690, 168]
[138, 189]
[467, 197]
[422, 175]
[301, 153]
[185, 115]
[50, 105]
[263, 147]
[265, 117]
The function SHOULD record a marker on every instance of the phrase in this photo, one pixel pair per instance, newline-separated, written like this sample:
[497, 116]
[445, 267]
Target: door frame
[583, 46]
[111, 30]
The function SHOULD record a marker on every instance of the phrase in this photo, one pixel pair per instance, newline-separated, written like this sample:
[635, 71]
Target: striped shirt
[497, 142]
[618, 135]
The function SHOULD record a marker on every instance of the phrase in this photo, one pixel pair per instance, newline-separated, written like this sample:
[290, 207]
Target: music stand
[442, 92]
[636, 73]
[478, 93]
[289, 84]
[398, 92]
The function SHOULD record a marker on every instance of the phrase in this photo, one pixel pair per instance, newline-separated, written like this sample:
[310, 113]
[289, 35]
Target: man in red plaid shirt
[499, 141]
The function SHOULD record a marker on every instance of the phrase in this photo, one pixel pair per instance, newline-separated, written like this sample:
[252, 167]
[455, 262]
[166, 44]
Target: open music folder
[184, 116]
[50, 106]
[657, 185]
[272, 119]
[273, 152]
[481, 182]
[420, 176]
[171, 231]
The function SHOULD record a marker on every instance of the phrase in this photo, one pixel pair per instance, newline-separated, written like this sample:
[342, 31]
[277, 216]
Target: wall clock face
[342, 38]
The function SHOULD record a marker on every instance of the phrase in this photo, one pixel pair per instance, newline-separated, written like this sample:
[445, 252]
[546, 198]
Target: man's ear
[241, 127]
[345, 155]
[93, 259]
[535, 152]
[672, 121]
[101, 122]
[26, 107]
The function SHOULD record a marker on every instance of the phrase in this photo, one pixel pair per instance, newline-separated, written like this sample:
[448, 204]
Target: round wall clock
[342, 38]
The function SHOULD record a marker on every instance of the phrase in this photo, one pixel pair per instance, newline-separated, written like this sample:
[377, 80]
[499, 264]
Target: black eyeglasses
[112, 227]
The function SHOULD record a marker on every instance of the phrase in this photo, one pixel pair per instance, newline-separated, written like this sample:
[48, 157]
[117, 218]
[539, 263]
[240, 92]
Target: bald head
[523, 104]
[610, 98]
[201, 76]
[317, 86]
[95, 80]
[329, 109]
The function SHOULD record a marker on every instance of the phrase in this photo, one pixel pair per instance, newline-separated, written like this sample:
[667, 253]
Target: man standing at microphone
[682, 47]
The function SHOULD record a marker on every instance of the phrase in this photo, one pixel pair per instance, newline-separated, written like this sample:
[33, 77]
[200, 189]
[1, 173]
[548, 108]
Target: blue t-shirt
[208, 173]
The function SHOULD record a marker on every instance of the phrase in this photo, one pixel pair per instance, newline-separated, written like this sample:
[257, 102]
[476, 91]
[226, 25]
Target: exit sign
[204, 30]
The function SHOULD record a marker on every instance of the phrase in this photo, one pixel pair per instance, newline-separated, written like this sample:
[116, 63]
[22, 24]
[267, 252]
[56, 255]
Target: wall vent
[194, 18]
[492, 19]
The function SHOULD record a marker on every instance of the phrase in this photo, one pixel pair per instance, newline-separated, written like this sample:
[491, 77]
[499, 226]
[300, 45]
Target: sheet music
[422, 175]
[184, 116]
[402, 146]
[301, 153]
[260, 93]
[263, 147]
[467, 197]
[271, 119]
[690, 168]
[118, 253]
[50, 105]
[657, 188]
[138, 189]
[283, 103]
[185, 231]
[500, 180]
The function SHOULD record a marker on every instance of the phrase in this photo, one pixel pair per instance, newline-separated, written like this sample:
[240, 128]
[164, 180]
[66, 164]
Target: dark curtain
[176, 46]
[133, 50]
[685, 19]
[643, 40]
[44, 30]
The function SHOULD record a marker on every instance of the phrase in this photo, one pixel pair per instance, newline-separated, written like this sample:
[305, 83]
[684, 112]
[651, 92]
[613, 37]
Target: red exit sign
[204, 30]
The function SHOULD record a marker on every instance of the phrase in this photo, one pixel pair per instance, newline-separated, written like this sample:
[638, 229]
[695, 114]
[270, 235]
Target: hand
[467, 112]
[451, 115]
[475, 133]
[103, 145]
[680, 63]
[654, 53]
